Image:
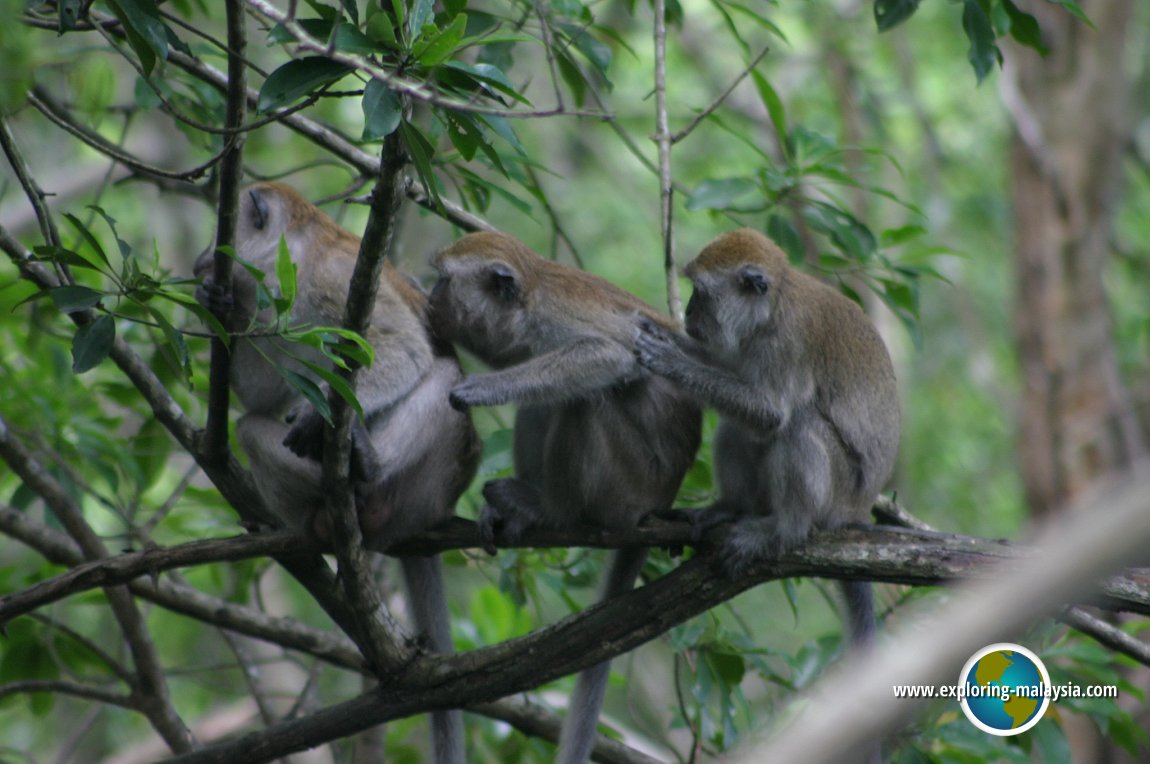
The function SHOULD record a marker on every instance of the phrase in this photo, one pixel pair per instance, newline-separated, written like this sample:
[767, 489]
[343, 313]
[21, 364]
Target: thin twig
[694, 123]
[35, 196]
[663, 140]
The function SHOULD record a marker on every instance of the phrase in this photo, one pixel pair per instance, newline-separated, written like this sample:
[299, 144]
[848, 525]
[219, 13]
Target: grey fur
[413, 455]
[598, 440]
[806, 391]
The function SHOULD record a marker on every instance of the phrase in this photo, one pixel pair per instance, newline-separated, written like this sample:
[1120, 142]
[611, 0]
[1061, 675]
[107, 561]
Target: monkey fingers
[512, 508]
[305, 438]
[213, 297]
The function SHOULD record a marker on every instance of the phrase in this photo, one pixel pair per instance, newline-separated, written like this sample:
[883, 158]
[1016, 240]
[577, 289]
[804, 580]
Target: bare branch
[34, 193]
[231, 173]
[666, 183]
[374, 631]
[67, 688]
[1106, 634]
[694, 123]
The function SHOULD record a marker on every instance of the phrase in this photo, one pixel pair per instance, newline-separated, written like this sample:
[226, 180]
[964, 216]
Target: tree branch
[664, 140]
[149, 688]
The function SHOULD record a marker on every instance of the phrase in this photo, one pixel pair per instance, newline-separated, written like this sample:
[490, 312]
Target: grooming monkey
[598, 440]
[413, 455]
[809, 414]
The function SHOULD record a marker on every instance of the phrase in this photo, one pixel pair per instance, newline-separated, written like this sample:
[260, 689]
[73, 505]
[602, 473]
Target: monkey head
[738, 279]
[482, 296]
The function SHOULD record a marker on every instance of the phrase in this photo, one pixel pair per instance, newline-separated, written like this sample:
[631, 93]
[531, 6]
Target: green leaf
[382, 111]
[595, 51]
[775, 108]
[306, 387]
[888, 14]
[90, 239]
[853, 238]
[297, 79]
[320, 29]
[146, 31]
[92, 343]
[1024, 28]
[175, 341]
[488, 75]
[73, 299]
[1073, 9]
[285, 274]
[422, 12]
[421, 152]
[983, 53]
[893, 237]
[338, 384]
[440, 47]
[721, 194]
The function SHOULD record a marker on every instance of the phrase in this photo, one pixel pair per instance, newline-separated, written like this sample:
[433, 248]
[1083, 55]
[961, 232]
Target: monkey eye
[503, 283]
[753, 280]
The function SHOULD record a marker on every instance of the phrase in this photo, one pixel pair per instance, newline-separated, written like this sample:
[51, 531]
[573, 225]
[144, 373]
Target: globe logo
[1005, 689]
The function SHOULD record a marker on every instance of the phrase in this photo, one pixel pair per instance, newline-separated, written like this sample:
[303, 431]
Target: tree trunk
[1071, 130]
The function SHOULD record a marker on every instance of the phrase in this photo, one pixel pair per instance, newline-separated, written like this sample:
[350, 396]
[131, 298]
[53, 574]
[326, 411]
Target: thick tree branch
[879, 553]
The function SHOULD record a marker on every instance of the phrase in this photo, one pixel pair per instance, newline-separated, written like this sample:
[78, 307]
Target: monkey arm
[675, 359]
[579, 369]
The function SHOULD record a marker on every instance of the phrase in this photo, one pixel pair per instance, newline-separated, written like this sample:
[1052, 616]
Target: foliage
[498, 106]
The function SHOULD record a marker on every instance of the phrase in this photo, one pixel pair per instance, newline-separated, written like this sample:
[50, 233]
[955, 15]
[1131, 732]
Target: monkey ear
[754, 280]
[260, 209]
[504, 282]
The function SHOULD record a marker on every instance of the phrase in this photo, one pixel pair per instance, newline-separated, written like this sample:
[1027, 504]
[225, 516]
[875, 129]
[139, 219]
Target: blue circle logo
[1005, 689]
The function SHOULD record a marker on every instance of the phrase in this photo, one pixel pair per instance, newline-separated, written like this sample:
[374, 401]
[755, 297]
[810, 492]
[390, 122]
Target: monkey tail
[577, 737]
[428, 602]
[860, 612]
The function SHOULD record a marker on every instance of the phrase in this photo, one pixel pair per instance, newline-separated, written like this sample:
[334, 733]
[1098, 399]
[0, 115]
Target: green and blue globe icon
[1007, 689]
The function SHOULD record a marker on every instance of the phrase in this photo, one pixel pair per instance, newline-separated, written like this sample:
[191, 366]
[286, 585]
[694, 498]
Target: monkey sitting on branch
[413, 454]
[806, 393]
[598, 440]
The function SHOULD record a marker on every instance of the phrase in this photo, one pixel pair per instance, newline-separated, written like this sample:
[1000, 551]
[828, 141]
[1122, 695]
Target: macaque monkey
[809, 413]
[413, 455]
[598, 441]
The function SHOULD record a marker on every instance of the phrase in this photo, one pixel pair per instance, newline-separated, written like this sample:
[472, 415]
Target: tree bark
[1071, 129]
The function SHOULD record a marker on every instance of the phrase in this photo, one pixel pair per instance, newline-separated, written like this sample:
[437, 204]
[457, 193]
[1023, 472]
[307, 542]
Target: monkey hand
[305, 438]
[656, 349]
[214, 297]
[466, 394]
[512, 508]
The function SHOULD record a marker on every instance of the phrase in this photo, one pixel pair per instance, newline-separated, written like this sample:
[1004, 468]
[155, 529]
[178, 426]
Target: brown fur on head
[538, 280]
[741, 247]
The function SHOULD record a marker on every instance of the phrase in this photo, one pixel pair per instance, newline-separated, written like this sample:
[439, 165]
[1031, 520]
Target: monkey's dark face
[729, 306]
[478, 304]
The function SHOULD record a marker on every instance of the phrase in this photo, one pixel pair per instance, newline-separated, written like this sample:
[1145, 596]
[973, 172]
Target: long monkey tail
[577, 737]
[428, 602]
[860, 612]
